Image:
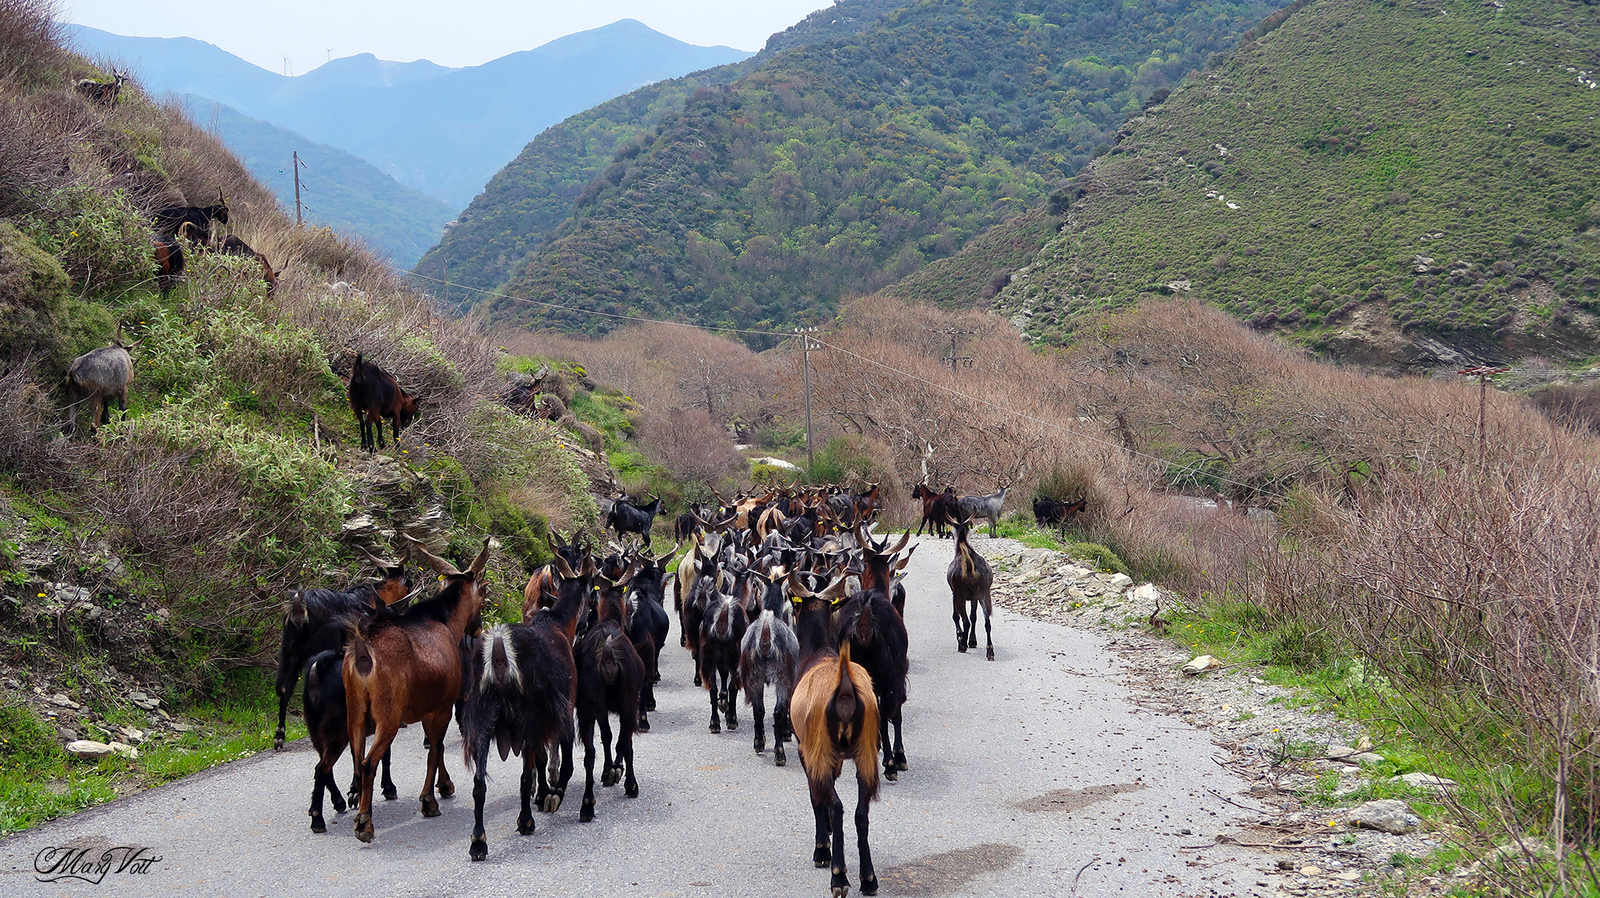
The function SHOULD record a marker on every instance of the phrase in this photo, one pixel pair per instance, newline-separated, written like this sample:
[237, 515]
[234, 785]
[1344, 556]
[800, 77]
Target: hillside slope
[841, 166]
[1407, 183]
[441, 131]
[339, 190]
[532, 196]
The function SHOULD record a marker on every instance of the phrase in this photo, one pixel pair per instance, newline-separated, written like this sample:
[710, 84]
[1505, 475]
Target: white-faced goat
[97, 377]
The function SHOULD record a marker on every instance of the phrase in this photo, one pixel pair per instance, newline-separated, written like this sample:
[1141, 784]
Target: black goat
[648, 624]
[171, 219]
[610, 675]
[233, 246]
[374, 396]
[323, 699]
[626, 517]
[1047, 511]
[938, 509]
[722, 630]
[970, 578]
[519, 699]
[879, 643]
[309, 627]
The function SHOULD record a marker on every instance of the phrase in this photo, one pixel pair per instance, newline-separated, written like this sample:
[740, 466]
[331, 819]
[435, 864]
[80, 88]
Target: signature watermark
[92, 864]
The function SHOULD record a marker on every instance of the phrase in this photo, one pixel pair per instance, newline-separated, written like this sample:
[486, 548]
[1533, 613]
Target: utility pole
[808, 345]
[1482, 373]
[955, 334]
[299, 216]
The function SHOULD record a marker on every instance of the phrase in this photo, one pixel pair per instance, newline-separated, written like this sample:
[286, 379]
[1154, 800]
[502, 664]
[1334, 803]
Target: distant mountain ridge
[534, 193]
[439, 130]
[839, 166]
[339, 190]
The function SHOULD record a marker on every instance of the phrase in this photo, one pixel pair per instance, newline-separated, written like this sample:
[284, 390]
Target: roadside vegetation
[152, 556]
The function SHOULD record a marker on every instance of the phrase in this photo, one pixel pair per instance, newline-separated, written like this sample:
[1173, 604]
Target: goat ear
[480, 562]
[563, 568]
[438, 564]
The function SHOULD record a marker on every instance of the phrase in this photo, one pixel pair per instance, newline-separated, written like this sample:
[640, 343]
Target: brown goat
[402, 669]
[375, 395]
[233, 246]
[97, 377]
[835, 716]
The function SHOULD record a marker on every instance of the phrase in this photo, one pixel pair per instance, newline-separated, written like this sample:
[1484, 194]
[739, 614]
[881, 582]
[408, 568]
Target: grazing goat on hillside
[401, 669]
[169, 261]
[97, 377]
[1047, 511]
[626, 517]
[104, 93]
[374, 396]
[835, 716]
[171, 220]
[970, 578]
[990, 506]
[519, 693]
[233, 246]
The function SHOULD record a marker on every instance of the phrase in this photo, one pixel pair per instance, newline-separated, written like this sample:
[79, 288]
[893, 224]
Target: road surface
[1033, 774]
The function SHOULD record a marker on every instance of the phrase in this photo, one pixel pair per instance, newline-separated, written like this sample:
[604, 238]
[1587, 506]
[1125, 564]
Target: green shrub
[24, 737]
[33, 294]
[1100, 557]
[101, 242]
[845, 458]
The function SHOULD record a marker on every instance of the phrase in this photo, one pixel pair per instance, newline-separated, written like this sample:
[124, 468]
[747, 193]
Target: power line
[817, 343]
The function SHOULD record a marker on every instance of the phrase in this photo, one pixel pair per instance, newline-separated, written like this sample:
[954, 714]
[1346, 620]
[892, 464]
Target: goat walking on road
[835, 717]
[970, 579]
[770, 654]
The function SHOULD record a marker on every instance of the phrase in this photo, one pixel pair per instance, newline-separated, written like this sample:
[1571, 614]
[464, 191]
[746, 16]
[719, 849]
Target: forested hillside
[1397, 182]
[531, 196]
[841, 166]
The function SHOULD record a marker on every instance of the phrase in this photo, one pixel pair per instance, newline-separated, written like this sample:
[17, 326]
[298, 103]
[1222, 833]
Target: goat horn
[434, 561]
[796, 588]
[564, 569]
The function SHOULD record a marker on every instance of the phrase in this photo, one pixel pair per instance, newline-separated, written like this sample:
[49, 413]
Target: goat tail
[863, 628]
[358, 651]
[610, 658]
[297, 607]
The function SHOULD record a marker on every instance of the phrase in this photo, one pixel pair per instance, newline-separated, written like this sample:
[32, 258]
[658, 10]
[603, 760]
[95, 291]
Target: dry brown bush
[30, 43]
[692, 446]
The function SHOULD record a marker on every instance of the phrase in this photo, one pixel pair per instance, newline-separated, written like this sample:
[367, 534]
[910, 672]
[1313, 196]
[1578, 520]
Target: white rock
[1201, 664]
[1146, 593]
[123, 748]
[1385, 815]
[92, 750]
[1119, 581]
[1426, 781]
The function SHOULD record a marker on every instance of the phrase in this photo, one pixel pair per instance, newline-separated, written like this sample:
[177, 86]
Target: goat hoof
[277, 741]
[900, 762]
[364, 827]
[479, 850]
[552, 803]
[697, 680]
[430, 808]
[447, 789]
[778, 757]
[891, 774]
[733, 724]
[318, 826]
[644, 725]
[819, 858]
[650, 705]
[609, 778]
[338, 802]
[841, 891]
[761, 743]
[991, 654]
[632, 790]
[961, 647]
[869, 885]
[716, 727]
[525, 826]
[587, 814]
[391, 793]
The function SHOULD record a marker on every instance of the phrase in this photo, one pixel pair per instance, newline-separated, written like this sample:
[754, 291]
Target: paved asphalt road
[1033, 774]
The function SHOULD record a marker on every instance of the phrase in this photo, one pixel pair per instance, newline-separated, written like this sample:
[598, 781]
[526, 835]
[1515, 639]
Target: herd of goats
[786, 589]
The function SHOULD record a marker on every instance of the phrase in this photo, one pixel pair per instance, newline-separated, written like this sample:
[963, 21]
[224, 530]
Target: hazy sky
[463, 32]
